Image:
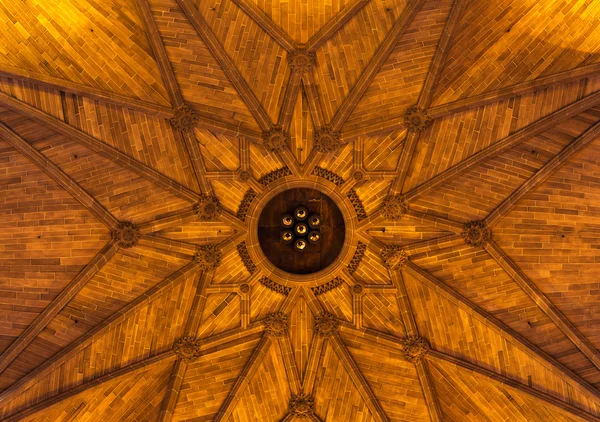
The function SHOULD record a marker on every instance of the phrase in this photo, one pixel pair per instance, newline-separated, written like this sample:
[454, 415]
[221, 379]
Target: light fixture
[287, 236]
[287, 220]
[301, 228]
[300, 244]
[301, 213]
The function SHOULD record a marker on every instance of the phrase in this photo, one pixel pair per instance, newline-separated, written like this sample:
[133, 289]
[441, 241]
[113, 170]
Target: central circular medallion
[301, 231]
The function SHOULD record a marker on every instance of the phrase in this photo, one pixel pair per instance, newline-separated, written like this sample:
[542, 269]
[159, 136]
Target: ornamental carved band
[276, 324]
[326, 140]
[187, 348]
[274, 140]
[393, 257]
[394, 207]
[301, 405]
[301, 61]
[414, 348]
[326, 324]
[208, 257]
[185, 118]
[207, 208]
[126, 234]
[476, 233]
[417, 119]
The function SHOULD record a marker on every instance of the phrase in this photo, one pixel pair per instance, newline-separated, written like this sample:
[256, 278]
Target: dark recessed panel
[316, 256]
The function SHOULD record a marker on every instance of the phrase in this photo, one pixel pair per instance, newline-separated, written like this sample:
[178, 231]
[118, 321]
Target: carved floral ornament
[208, 257]
[417, 119]
[358, 175]
[326, 140]
[476, 233]
[394, 207]
[126, 234]
[415, 348]
[301, 61]
[274, 140]
[276, 324]
[244, 175]
[207, 208]
[187, 348]
[393, 257]
[301, 405]
[326, 324]
[185, 118]
[358, 289]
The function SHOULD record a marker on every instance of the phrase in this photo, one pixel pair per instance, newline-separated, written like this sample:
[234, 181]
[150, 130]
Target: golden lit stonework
[326, 324]
[476, 233]
[393, 257]
[126, 234]
[301, 61]
[185, 118]
[302, 405]
[244, 210]
[187, 348]
[415, 348]
[276, 324]
[417, 119]
[275, 140]
[208, 257]
[394, 207]
[326, 140]
[207, 208]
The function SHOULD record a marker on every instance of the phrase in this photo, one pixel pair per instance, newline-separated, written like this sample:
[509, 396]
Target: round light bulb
[301, 213]
[287, 236]
[287, 220]
[300, 244]
[301, 229]
[314, 220]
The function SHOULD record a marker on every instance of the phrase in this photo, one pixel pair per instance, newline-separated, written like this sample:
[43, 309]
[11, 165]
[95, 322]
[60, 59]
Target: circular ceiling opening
[283, 228]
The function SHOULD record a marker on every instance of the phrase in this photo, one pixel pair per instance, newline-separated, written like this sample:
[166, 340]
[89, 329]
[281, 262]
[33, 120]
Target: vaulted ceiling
[463, 136]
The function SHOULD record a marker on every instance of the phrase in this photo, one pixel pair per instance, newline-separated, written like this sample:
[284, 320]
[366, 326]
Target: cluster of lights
[301, 228]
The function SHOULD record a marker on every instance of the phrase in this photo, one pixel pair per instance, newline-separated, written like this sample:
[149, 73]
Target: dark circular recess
[283, 254]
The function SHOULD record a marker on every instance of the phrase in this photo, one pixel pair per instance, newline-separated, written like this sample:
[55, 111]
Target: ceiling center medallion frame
[350, 241]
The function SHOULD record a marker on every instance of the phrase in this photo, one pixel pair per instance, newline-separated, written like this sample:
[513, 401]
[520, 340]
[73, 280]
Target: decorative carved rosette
[301, 61]
[414, 348]
[244, 288]
[185, 118]
[326, 324]
[274, 140]
[187, 348]
[394, 207]
[207, 208]
[326, 140]
[126, 234]
[358, 175]
[476, 233]
[243, 175]
[393, 257]
[417, 119]
[358, 289]
[208, 257]
[276, 324]
[302, 405]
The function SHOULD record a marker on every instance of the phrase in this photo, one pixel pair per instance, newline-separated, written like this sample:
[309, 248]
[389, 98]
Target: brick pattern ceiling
[137, 137]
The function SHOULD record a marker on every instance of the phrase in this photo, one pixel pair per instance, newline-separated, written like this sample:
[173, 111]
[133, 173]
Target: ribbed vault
[139, 140]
